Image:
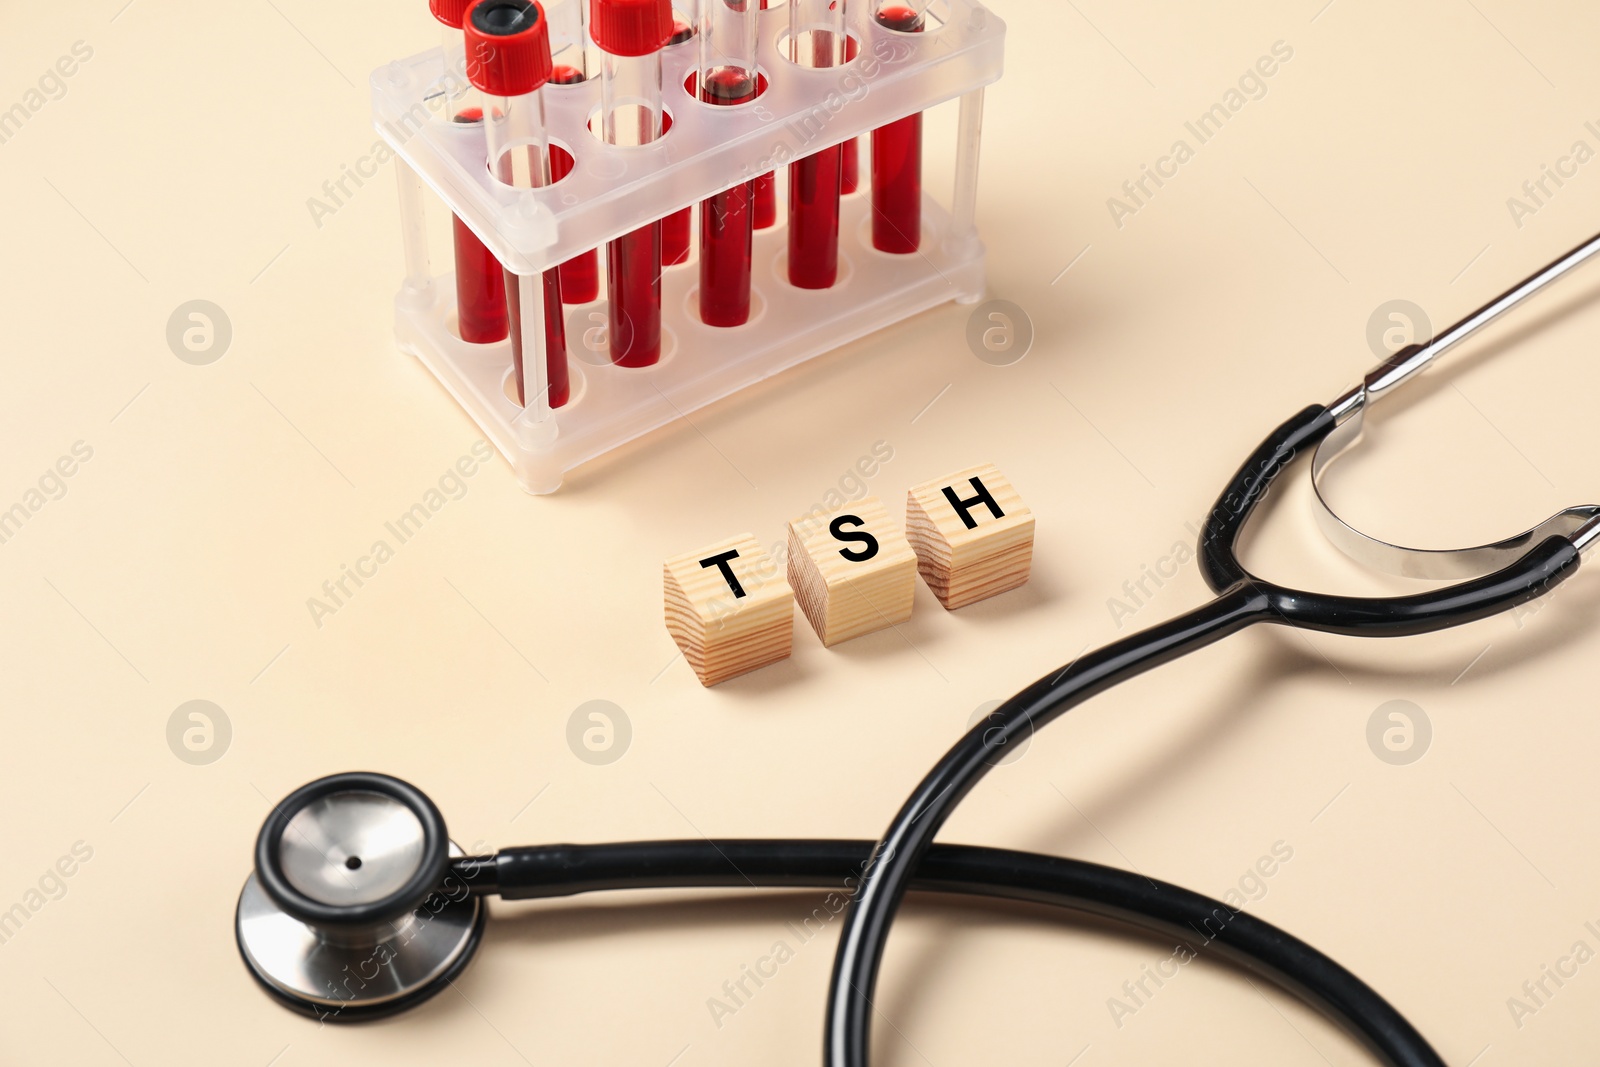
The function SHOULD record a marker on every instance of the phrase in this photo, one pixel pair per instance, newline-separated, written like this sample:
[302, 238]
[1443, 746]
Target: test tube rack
[613, 190]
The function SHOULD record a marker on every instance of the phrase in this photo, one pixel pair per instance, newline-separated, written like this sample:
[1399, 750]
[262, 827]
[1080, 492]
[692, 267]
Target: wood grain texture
[963, 565]
[724, 634]
[844, 597]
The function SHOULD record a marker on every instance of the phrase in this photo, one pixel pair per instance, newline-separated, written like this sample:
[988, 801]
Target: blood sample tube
[677, 228]
[580, 275]
[897, 157]
[816, 39]
[726, 75]
[766, 212]
[850, 152]
[480, 288]
[766, 191]
[508, 52]
[630, 35]
[849, 167]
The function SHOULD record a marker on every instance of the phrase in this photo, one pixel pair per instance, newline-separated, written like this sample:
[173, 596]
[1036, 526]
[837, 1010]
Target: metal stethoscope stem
[1413, 359]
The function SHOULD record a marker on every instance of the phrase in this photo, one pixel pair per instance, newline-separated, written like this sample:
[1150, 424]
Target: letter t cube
[729, 609]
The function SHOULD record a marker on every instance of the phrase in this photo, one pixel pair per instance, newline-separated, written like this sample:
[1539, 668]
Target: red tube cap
[630, 27]
[508, 46]
[449, 12]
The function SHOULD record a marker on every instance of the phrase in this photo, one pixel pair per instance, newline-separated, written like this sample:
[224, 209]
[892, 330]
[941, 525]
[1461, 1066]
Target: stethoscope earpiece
[349, 914]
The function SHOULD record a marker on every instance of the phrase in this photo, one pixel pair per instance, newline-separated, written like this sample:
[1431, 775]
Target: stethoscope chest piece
[349, 914]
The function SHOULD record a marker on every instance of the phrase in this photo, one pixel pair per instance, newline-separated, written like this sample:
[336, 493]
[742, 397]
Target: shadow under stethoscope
[808, 928]
[1280, 659]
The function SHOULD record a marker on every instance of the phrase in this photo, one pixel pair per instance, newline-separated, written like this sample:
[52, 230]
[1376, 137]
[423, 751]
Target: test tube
[897, 157]
[480, 286]
[766, 215]
[580, 275]
[850, 151]
[849, 167]
[630, 35]
[418, 290]
[726, 75]
[508, 51]
[677, 229]
[816, 39]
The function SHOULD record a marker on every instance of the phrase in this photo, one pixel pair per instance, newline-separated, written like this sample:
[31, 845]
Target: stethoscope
[360, 906]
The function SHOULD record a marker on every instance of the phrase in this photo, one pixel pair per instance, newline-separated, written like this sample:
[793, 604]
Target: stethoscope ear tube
[1441, 564]
[1219, 535]
[1540, 566]
[1350, 409]
[1537, 568]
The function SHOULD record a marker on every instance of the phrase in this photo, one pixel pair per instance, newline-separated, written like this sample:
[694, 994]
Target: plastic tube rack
[612, 190]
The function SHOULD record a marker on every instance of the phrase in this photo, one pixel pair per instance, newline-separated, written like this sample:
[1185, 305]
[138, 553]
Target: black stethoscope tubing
[1242, 600]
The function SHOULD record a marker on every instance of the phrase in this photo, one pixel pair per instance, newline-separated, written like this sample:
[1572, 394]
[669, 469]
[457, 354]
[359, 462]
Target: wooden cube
[972, 533]
[852, 570]
[729, 609]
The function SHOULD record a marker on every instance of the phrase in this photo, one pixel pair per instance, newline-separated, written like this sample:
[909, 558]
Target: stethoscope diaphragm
[350, 912]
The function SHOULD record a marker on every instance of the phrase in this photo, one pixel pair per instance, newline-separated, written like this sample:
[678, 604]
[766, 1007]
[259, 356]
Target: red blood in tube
[766, 193]
[559, 388]
[766, 214]
[897, 163]
[850, 156]
[899, 17]
[678, 227]
[814, 185]
[814, 220]
[480, 289]
[726, 221]
[676, 230]
[633, 281]
[580, 275]
[555, 338]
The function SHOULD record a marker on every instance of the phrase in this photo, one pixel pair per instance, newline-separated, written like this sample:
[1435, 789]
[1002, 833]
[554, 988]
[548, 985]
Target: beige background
[177, 165]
